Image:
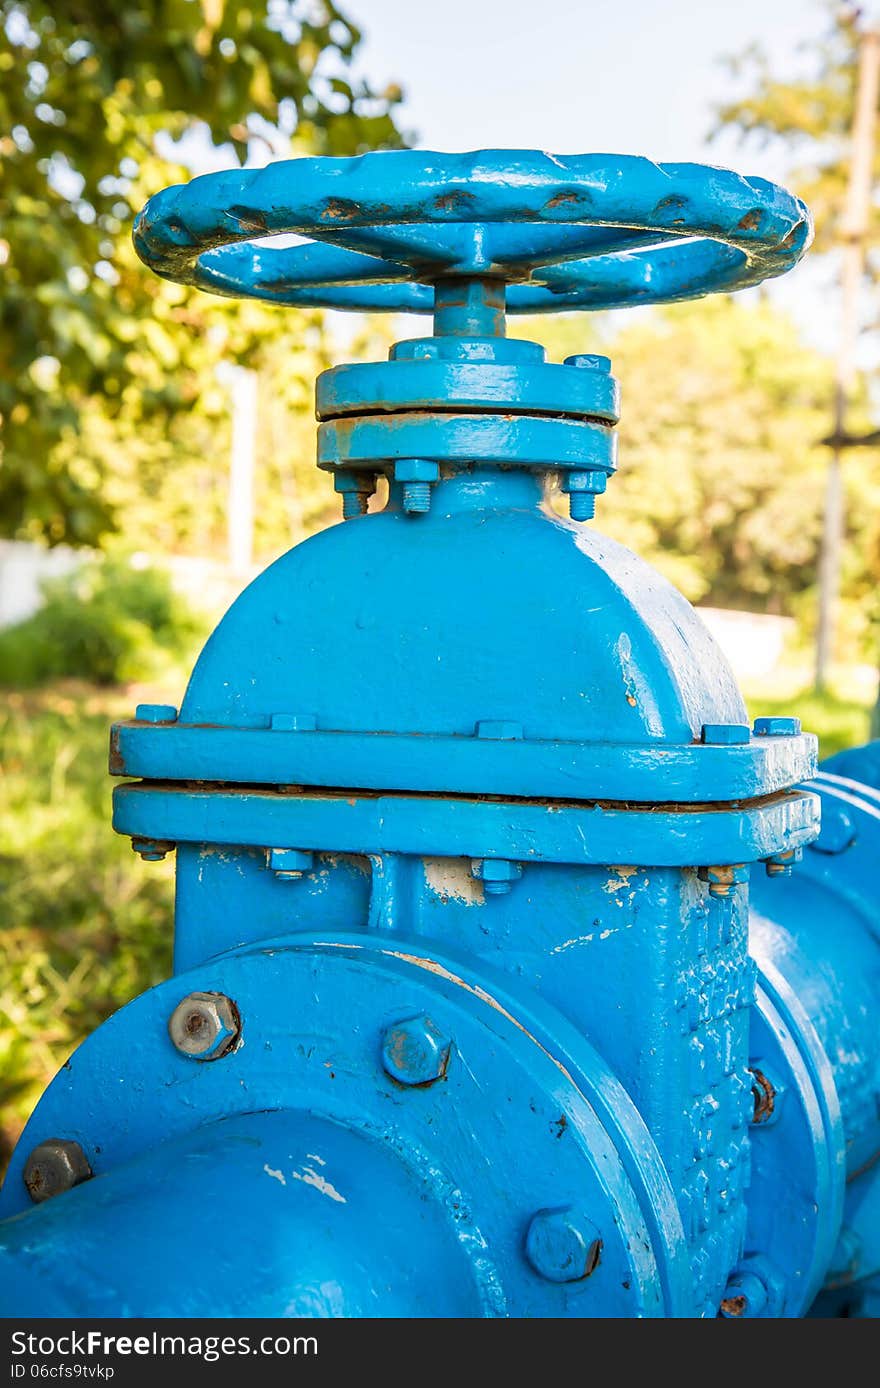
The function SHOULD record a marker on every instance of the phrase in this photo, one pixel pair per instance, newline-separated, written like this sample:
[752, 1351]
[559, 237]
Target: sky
[579, 76]
[571, 76]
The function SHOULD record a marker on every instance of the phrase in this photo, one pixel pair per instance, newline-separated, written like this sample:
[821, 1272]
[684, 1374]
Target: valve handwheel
[586, 231]
[470, 237]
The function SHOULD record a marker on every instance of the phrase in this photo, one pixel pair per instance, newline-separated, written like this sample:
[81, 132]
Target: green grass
[837, 720]
[86, 925]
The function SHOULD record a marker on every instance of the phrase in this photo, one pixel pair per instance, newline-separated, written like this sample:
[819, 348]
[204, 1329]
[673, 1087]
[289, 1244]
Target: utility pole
[854, 229]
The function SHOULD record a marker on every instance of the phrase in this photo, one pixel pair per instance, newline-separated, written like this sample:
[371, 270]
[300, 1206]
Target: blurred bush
[86, 924]
[110, 621]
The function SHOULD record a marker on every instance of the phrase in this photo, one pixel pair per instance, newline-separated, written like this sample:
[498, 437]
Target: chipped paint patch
[637, 692]
[276, 1175]
[228, 857]
[358, 861]
[313, 1156]
[310, 1177]
[621, 881]
[451, 879]
[572, 943]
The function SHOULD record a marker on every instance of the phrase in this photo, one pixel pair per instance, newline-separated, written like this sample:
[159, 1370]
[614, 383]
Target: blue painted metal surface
[466, 813]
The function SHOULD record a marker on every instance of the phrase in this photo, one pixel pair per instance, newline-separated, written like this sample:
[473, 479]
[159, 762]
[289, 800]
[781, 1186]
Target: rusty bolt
[151, 850]
[745, 1296]
[496, 874]
[782, 864]
[562, 1245]
[205, 1026]
[722, 879]
[56, 1165]
[356, 489]
[766, 1095]
[415, 1051]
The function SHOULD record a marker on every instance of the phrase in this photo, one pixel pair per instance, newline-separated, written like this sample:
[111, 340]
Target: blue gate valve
[465, 806]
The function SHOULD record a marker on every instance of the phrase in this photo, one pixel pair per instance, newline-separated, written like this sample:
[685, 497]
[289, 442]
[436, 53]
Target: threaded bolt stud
[581, 506]
[354, 504]
[417, 498]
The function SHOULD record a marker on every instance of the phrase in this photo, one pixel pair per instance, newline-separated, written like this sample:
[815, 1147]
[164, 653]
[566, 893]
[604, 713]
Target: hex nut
[415, 1051]
[152, 850]
[563, 1245]
[155, 713]
[725, 734]
[290, 864]
[496, 874]
[54, 1166]
[205, 1026]
[723, 878]
[777, 727]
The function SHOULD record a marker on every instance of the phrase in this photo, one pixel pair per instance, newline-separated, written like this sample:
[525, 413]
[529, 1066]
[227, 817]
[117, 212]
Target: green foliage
[86, 924]
[102, 106]
[721, 476]
[839, 722]
[109, 621]
[809, 114]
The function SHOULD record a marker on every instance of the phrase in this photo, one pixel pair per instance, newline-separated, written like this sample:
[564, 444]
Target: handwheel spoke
[532, 247]
[413, 245]
[665, 275]
[264, 272]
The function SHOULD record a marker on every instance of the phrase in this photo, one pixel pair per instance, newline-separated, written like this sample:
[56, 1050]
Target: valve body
[467, 1017]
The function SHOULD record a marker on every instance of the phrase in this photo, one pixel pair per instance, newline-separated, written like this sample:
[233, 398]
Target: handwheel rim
[387, 224]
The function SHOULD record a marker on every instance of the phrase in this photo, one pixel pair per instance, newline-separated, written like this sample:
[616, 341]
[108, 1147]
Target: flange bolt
[782, 864]
[723, 879]
[290, 864]
[417, 476]
[356, 488]
[582, 489]
[156, 713]
[777, 727]
[562, 1245]
[496, 874]
[744, 1297]
[415, 1051]
[205, 1026]
[56, 1165]
[151, 850]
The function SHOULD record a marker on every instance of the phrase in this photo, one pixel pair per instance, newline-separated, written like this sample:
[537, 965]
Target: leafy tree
[103, 105]
[809, 116]
[721, 476]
